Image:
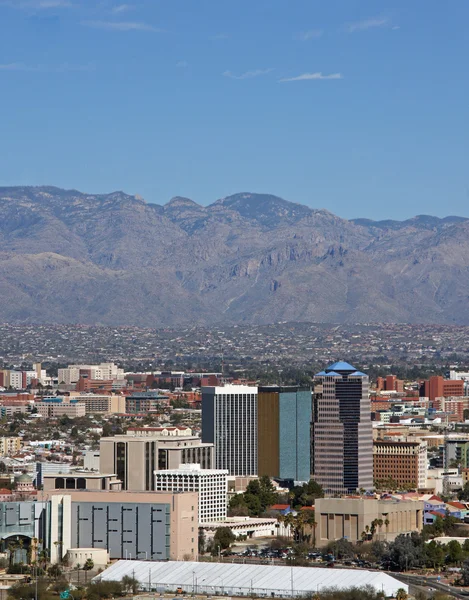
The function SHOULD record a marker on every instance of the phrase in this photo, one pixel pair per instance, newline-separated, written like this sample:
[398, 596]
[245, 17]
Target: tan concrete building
[134, 458]
[9, 445]
[81, 480]
[101, 403]
[405, 462]
[60, 406]
[349, 518]
[129, 524]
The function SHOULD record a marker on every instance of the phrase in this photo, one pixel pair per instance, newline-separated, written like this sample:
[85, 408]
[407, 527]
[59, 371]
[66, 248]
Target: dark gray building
[342, 434]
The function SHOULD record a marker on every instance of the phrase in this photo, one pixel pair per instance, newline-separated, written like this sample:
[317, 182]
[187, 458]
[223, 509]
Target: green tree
[201, 541]
[465, 573]
[406, 552]
[130, 584]
[434, 555]
[54, 571]
[455, 553]
[222, 539]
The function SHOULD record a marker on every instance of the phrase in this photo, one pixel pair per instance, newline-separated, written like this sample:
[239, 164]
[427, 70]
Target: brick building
[404, 462]
[437, 387]
[390, 383]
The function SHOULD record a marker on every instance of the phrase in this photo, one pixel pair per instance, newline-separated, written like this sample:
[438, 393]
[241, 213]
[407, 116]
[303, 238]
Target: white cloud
[311, 34]
[122, 26]
[247, 74]
[311, 77]
[182, 64]
[220, 36]
[367, 24]
[120, 8]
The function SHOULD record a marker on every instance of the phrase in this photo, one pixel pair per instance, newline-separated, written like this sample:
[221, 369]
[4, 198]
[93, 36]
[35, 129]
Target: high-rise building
[229, 420]
[210, 484]
[284, 428]
[134, 457]
[342, 435]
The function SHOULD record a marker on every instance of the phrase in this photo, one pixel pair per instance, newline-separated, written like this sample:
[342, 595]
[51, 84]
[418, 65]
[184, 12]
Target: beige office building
[349, 518]
[9, 445]
[59, 407]
[135, 458]
[81, 480]
[103, 404]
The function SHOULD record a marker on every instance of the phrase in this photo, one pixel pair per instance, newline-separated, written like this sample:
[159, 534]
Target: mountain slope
[113, 259]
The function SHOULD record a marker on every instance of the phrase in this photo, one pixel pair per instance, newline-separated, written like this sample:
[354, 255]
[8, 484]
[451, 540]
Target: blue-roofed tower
[342, 440]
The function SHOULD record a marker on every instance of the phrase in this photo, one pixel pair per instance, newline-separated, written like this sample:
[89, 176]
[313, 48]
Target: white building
[454, 375]
[211, 485]
[69, 376]
[104, 371]
[91, 460]
[16, 380]
[229, 421]
[241, 580]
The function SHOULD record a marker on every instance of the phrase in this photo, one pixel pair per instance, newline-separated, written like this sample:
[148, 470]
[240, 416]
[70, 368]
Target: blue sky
[360, 107]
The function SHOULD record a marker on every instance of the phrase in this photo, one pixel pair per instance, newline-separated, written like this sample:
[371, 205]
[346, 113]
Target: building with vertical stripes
[342, 434]
[229, 421]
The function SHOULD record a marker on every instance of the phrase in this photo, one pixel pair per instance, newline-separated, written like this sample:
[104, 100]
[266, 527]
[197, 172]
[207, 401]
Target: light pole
[222, 587]
[149, 580]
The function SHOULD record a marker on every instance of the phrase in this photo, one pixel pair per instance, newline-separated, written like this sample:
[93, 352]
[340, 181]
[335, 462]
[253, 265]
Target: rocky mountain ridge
[70, 257]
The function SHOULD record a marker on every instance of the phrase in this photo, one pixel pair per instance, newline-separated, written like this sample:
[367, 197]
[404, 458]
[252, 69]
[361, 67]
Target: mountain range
[114, 259]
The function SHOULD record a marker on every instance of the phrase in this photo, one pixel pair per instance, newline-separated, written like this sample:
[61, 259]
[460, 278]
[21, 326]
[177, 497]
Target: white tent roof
[242, 579]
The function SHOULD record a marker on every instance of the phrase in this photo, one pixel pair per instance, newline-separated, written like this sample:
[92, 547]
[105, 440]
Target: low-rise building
[59, 406]
[100, 403]
[144, 402]
[81, 480]
[150, 526]
[353, 518]
[210, 484]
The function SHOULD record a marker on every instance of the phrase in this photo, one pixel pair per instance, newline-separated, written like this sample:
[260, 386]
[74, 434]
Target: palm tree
[300, 521]
[386, 524]
[280, 521]
[380, 523]
[290, 523]
[311, 521]
[89, 564]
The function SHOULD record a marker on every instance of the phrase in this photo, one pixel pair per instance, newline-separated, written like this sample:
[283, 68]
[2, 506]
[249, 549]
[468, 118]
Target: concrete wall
[163, 525]
[349, 517]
